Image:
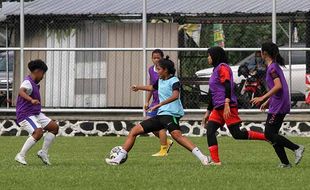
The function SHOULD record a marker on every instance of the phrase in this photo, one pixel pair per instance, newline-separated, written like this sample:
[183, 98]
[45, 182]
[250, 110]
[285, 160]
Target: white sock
[121, 155]
[198, 153]
[48, 140]
[28, 144]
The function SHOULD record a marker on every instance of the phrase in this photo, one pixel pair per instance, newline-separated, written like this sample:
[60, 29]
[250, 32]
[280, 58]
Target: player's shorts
[218, 117]
[33, 122]
[152, 114]
[161, 122]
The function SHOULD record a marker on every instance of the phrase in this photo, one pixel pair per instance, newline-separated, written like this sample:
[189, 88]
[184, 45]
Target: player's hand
[35, 102]
[264, 106]
[153, 108]
[226, 111]
[146, 106]
[134, 88]
[205, 119]
[257, 100]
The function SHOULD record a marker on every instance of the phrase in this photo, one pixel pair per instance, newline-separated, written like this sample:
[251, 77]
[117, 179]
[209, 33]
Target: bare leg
[130, 141]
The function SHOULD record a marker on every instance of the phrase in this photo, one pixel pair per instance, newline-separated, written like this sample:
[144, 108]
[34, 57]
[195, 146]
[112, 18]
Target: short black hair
[159, 51]
[37, 64]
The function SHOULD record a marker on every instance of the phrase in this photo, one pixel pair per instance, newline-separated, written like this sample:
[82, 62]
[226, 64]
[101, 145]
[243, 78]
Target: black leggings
[234, 130]
[273, 125]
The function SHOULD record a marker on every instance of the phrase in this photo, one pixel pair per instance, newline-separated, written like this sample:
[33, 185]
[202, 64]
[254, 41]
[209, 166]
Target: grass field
[78, 163]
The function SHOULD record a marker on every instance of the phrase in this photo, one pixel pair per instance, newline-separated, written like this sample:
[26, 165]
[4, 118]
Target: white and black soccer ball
[115, 151]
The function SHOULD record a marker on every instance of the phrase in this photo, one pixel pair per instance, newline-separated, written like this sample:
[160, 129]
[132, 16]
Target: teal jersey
[165, 89]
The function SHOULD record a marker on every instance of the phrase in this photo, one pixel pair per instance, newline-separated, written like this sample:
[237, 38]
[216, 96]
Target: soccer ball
[115, 151]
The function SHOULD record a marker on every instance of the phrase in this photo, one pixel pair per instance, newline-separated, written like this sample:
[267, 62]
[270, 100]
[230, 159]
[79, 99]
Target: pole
[7, 67]
[274, 24]
[290, 55]
[22, 38]
[144, 28]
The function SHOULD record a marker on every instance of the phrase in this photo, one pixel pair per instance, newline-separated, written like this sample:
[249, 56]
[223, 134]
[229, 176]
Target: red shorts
[217, 116]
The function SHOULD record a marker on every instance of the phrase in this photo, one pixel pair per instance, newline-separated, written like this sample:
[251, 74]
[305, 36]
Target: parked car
[298, 66]
[4, 78]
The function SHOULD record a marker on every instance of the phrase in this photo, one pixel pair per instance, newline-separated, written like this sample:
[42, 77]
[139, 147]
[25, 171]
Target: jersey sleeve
[176, 86]
[224, 73]
[27, 85]
[155, 85]
[274, 74]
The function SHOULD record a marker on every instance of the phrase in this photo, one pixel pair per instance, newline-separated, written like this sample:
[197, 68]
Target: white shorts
[33, 122]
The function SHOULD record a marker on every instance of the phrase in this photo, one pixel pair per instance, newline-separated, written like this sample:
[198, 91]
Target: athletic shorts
[218, 117]
[161, 122]
[33, 122]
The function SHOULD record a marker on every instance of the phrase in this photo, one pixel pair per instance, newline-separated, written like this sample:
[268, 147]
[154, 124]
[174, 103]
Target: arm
[209, 109]
[277, 86]
[274, 90]
[145, 88]
[147, 100]
[23, 94]
[225, 80]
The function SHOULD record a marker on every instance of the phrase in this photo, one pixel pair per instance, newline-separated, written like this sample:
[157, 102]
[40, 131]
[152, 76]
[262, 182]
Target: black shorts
[161, 122]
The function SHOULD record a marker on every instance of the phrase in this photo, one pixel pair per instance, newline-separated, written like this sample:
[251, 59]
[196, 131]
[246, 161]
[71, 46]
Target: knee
[135, 131]
[176, 135]
[269, 135]
[238, 135]
[54, 128]
[38, 133]
[210, 133]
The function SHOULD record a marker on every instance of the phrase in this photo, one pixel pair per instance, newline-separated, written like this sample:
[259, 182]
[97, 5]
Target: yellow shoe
[160, 154]
[163, 151]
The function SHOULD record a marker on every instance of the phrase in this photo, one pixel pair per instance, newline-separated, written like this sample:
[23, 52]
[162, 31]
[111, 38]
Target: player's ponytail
[273, 51]
[166, 63]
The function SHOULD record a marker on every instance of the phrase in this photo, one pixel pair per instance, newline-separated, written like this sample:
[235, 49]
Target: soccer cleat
[164, 149]
[161, 153]
[20, 159]
[111, 162]
[44, 157]
[206, 161]
[299, 154]
[285, 165]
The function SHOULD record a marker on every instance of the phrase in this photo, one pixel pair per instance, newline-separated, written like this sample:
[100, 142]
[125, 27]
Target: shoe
[170, 143]
[215, 163]
[20, 159]
[299, 154]
[206, 161]
[164, 149]
[285, 165]
[111, 162]
[161, 153]
[44, 157]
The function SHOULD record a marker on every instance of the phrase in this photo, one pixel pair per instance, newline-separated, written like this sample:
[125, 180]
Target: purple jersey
[24, 108]
[279, 103]
[218, 89]
[153, 79]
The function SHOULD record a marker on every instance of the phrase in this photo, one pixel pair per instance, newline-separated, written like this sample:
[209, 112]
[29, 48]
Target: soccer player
[29, 115]
[278, 100]
[165, 143]
[170, 111]
[223, 106]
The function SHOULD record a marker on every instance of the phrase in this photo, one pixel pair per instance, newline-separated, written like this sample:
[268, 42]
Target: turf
[78, 163]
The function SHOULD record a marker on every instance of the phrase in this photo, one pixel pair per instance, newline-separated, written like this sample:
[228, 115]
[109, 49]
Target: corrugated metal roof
[103, 7]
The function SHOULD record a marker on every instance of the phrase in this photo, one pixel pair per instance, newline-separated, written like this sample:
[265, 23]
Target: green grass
[78, 163]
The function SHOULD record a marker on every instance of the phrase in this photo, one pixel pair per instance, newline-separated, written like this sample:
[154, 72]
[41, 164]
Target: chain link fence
[86, 72]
